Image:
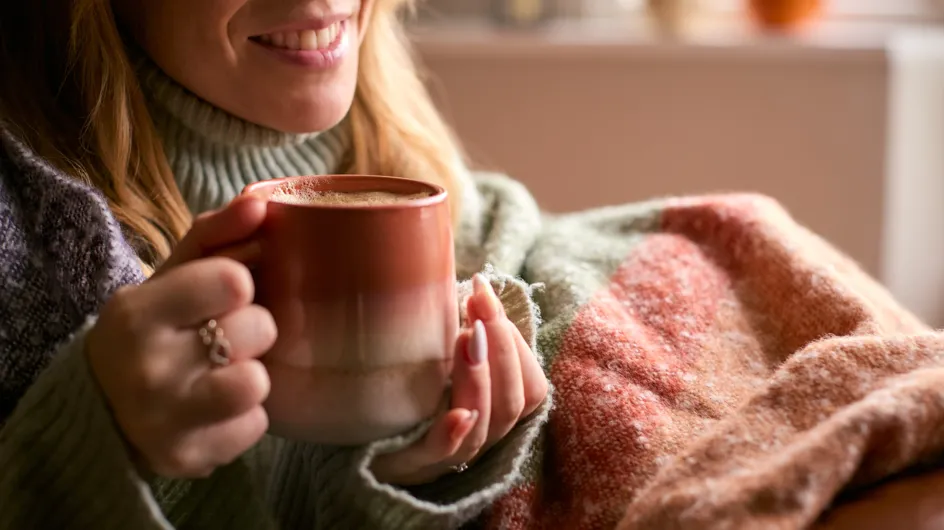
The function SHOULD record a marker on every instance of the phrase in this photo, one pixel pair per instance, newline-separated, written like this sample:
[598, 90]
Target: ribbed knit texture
[214, 155]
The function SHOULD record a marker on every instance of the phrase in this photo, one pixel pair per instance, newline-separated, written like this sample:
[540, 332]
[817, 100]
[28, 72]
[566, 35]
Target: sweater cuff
[453, 499]
[64, 461]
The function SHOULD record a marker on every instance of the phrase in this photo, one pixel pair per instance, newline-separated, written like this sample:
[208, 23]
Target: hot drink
[359, 275]
[345, 198]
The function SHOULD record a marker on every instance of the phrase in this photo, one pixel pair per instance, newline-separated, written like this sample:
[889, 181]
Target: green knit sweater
[279, 483]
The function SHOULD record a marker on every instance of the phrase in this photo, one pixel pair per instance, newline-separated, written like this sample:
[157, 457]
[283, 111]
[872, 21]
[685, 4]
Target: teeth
[304, 40]
[324, 38]
[308, 40]
[292, 41]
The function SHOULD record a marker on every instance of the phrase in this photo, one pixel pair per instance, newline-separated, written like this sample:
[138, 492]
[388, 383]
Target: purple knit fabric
[62, 254]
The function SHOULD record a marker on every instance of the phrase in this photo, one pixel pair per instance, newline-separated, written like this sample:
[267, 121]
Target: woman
[89, 117]
[691, 347]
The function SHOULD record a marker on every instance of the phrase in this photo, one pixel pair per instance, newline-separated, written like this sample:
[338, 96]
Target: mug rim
[265, 188]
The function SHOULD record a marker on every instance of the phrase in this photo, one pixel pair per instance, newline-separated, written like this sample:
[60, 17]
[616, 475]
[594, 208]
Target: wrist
[89, 351]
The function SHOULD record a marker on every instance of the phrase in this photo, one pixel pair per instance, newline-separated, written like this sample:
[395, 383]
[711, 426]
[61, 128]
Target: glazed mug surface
[364, 298]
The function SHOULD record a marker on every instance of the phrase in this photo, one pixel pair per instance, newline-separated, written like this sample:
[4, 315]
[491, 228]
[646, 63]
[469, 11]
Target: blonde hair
[85, 112]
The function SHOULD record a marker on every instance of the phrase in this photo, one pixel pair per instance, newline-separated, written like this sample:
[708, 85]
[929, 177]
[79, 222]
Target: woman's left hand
[497, 381]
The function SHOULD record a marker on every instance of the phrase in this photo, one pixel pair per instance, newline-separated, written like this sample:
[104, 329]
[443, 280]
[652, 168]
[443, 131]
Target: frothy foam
[354, 198]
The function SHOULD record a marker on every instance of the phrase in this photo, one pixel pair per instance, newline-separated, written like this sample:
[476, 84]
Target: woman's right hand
[182, 415]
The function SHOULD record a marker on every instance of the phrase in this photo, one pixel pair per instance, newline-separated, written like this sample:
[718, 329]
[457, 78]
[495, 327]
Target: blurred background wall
[840, 118]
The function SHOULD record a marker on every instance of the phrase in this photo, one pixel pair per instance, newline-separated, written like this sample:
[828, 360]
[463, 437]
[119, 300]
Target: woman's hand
[497, 381]
[183, 415]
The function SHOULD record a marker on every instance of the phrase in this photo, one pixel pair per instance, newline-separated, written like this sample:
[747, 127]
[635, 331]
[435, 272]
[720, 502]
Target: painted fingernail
[465, 424]
[483, 288]
[478, 344]
[471, 417]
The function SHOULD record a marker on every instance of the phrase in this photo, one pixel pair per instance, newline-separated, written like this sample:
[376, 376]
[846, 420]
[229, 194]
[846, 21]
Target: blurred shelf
[636, 36]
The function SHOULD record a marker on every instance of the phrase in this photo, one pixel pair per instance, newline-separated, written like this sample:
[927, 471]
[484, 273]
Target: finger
[504, 363]
[483, 304]
[222, 443]
[226, 392]
[249, 332]
[197, 291]
[471, 387]
[221, 228]
[532, 376]
[507, 384]
[247, 252]
[422, 461]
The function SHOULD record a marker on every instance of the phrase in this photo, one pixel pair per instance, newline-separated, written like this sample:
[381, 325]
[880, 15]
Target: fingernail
[483, 288]
[471, 416]
[478, 344]
[465, 424]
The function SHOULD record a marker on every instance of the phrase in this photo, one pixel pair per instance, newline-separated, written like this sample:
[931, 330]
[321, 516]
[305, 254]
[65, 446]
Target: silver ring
[215, 340]
[460, 468]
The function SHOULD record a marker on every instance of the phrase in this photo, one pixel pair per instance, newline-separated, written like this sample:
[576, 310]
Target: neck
[214, 154]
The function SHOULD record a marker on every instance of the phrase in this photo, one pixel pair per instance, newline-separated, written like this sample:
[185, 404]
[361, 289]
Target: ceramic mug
[364, 298]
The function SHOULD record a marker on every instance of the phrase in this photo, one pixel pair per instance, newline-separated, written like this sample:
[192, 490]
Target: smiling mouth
[305, 40]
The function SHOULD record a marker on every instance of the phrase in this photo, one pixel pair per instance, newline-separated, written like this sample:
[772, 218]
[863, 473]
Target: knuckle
[163, 469]
[509, 410]
[179, 463]
[236, 282]
[535, 392]
[146, 382]
[147, 376]
[249, 390]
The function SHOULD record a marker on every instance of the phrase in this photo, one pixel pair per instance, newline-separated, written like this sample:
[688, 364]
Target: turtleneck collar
[214, 154]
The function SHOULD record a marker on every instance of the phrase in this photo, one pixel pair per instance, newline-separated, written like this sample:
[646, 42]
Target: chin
[302, 123]
[305, 111]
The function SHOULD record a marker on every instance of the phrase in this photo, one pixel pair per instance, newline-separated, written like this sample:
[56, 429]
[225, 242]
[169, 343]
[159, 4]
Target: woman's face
[290, 65]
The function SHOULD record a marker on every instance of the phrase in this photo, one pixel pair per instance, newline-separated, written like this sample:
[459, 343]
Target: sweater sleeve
[343, 493]
[65, 466]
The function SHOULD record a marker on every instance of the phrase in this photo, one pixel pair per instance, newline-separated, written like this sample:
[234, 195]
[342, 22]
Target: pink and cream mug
[359, 274]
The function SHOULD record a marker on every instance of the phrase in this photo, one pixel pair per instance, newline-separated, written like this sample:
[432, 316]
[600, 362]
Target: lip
[313, 24]
[323, 59]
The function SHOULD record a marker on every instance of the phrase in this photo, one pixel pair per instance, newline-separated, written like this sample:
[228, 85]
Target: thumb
[217, 230]
[422, 461]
